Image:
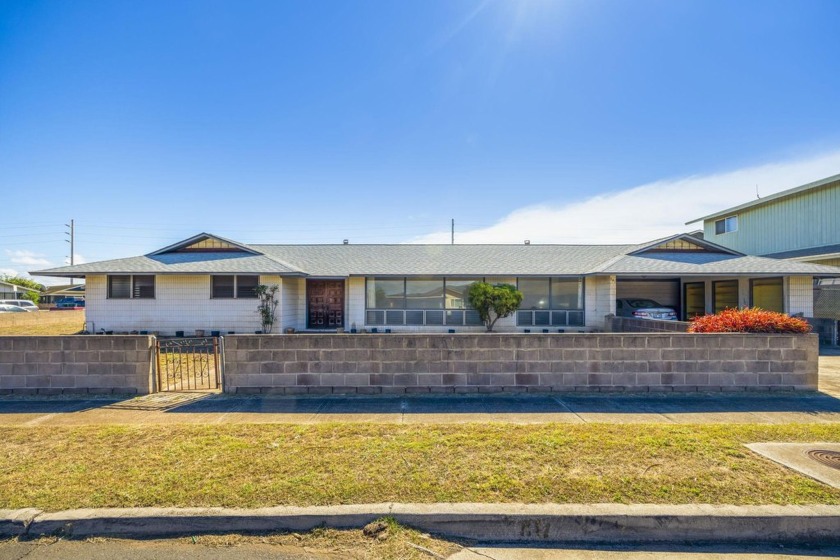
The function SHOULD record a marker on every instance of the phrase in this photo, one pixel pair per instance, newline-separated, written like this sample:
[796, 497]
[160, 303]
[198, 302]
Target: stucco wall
[76, 364]
[399, 363]
[181, 303]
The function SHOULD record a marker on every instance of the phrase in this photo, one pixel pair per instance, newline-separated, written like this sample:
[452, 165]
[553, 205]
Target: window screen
[144, 287]
[695, 299]
[119, 287]
[246, 285]
[222, 286]
[768, 293]
[725, 295]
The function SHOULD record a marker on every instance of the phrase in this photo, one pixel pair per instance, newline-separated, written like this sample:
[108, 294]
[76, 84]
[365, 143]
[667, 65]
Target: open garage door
[665, 292]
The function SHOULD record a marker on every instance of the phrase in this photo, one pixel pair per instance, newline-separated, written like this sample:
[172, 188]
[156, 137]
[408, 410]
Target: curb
[480, 522]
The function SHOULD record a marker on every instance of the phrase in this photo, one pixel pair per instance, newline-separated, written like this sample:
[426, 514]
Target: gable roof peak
[206, 242]
[689, 241]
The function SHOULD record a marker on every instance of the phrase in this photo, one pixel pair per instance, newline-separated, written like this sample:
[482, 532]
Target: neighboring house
[800, 224]
[13, 291]
[51, 294]
[207, 282]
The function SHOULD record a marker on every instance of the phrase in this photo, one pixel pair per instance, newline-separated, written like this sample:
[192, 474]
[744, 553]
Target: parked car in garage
[644, 309]
[24, 304]
[6, 308]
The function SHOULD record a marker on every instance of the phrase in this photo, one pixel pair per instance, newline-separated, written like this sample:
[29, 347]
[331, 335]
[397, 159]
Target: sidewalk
[214, 408]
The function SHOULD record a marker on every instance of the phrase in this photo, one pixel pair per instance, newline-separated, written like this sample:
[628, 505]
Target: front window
[223, 286]
[119, 287]
[424, 293]
[551, 302]
[246, 286]
[385, 293]
[419, 301]
[144, 287]
[695, 299]
[535, 293]
[767, 293]
[725, 295]
[226, 286]
[131, 287]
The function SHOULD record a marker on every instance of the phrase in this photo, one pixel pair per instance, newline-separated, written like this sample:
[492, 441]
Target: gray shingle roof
[451, 260]
[447, 260]
[178, 263]
[810, 252]
[711, 264]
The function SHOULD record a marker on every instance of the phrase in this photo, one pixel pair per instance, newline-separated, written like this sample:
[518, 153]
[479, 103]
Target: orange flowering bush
[749, 320]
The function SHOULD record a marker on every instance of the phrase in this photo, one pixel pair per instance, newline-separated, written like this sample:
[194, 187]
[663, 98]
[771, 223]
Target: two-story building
[801, 224]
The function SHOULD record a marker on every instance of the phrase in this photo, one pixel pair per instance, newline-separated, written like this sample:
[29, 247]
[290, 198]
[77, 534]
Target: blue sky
[317, 121]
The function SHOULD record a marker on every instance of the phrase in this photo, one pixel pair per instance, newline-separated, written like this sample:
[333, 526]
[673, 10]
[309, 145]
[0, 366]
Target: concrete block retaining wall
[630, 324]
[76, 364]
[408, 363]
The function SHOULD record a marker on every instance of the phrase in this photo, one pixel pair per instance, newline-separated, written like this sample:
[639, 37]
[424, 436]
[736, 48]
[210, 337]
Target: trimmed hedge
[749, 320]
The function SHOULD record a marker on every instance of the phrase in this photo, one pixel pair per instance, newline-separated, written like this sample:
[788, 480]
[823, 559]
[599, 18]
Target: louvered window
[131, 287]
[119, 287]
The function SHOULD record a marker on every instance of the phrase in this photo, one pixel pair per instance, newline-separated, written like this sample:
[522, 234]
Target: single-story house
[54, 293]
[207, 282]
[13, 291]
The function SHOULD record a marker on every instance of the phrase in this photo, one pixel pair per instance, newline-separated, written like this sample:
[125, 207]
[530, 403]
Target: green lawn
[261, 465]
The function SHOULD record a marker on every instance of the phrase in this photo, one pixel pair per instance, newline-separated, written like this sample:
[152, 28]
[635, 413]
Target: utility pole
[72, 242]
[453, 231]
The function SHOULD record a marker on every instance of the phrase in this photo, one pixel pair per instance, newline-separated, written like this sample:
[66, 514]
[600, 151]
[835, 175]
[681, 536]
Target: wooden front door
[325, 304]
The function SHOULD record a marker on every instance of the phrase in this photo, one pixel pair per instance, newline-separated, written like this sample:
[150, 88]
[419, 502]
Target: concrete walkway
[214, 408]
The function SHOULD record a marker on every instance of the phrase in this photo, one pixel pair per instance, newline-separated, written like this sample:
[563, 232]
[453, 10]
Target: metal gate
[188, 364]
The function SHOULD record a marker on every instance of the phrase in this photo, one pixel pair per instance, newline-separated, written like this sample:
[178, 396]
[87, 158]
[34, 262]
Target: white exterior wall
[291, 309]
[181, 303]
[355, 303]
[799, 295]
[599, 297]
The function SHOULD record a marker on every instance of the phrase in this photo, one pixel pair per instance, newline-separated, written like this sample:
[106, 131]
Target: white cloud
[8, 272]
[645, 212]
[26, 258]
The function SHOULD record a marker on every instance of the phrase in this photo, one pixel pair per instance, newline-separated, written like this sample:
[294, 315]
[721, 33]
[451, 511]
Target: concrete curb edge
[479, 522]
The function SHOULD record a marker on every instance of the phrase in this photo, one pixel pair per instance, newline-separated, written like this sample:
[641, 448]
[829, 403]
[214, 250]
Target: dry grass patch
[56, 468]
[396, 542]
[42, 323]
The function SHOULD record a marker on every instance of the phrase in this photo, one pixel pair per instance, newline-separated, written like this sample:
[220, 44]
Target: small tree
[32, 296]
[494, 301]
[268, 306]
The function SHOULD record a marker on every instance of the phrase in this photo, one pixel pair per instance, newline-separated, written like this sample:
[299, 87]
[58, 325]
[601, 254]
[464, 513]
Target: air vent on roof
[347, 242]
[527, 242]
